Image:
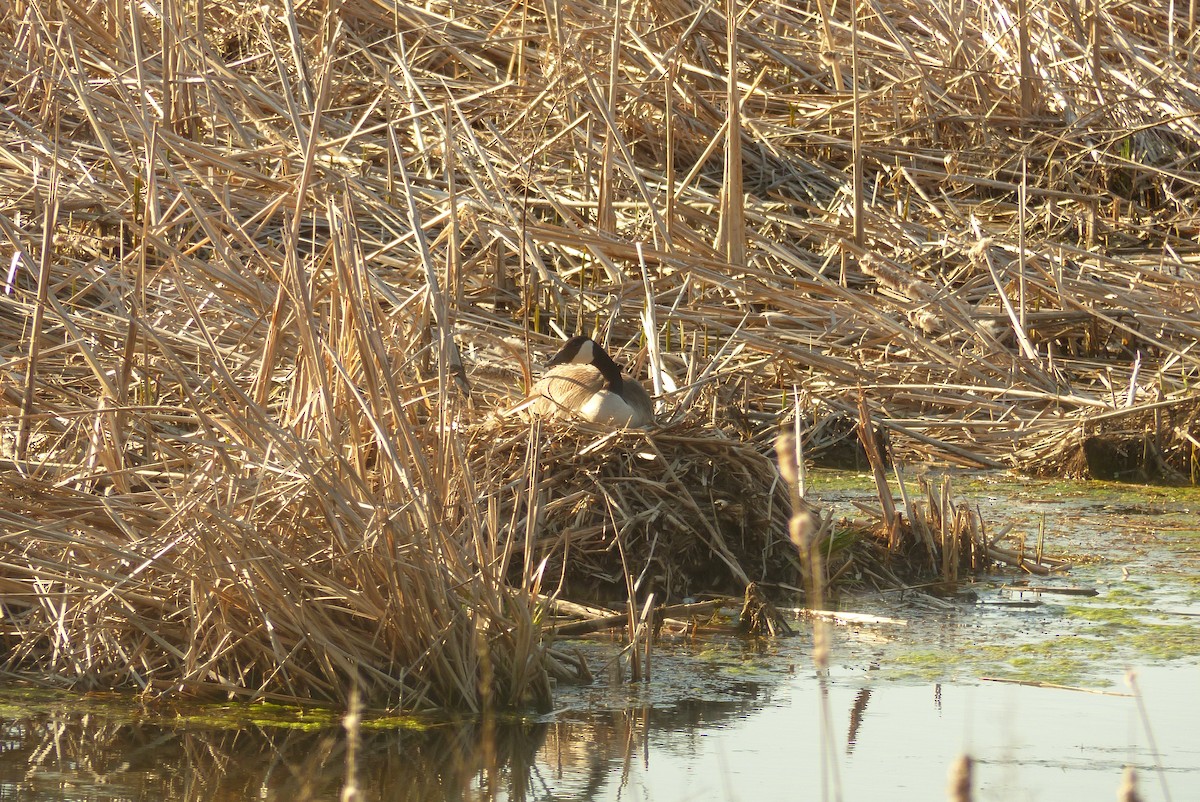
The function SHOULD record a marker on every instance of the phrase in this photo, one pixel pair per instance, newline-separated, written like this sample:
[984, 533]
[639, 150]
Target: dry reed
[263, 272]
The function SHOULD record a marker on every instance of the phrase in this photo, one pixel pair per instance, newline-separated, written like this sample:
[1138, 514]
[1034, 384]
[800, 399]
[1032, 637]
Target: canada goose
[583, 380]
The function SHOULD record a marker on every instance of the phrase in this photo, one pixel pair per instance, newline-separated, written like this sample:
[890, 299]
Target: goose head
[579, 350]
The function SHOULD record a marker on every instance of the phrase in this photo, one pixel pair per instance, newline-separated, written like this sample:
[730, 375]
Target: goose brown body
[583, 381]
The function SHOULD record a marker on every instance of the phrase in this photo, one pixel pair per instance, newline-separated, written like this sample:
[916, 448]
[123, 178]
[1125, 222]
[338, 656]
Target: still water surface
[731, 720]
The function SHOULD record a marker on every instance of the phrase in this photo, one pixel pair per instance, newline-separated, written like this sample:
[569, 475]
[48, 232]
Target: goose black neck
[609, 369]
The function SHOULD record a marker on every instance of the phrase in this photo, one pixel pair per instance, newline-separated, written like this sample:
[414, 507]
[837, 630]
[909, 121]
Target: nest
[681, 512]
[1160, 444]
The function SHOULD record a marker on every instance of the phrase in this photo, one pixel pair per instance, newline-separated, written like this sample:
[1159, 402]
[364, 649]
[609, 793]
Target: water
[896, 739]
[728, 719]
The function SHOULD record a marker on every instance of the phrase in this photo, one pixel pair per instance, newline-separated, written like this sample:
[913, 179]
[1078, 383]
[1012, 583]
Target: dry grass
[681, 512]
[263, 274]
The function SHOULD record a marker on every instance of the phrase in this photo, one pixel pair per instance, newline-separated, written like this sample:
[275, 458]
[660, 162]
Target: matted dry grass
[266, 268]
[685, 511]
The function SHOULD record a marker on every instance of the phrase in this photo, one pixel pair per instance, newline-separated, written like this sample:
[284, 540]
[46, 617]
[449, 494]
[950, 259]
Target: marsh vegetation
[268, 273]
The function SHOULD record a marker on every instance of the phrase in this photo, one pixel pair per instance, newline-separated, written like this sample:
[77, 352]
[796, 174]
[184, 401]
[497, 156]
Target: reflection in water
[764, 742]
[86, 749]
[856, 717]
[70, 756]
[111, 752]
[595, 754]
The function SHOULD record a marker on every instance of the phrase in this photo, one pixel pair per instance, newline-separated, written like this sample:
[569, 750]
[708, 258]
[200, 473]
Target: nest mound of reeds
[682, 511]
[1157, 443]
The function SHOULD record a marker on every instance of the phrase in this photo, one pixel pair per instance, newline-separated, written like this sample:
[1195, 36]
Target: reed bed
[606, 516]
[267, 267]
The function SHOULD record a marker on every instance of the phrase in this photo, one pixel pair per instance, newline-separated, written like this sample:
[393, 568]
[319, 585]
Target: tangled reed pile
[680, 512]
[264, 272]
